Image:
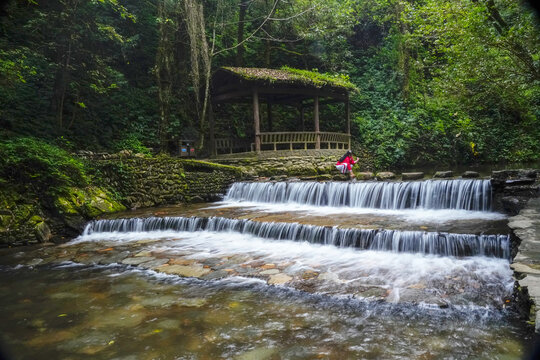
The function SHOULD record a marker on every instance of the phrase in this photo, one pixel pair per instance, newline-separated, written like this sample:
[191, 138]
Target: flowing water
[276, 271]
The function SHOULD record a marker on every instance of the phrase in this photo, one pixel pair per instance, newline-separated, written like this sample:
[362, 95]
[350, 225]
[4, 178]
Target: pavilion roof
[292, 77]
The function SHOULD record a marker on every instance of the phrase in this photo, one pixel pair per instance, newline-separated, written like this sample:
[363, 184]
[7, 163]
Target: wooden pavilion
[286, 86]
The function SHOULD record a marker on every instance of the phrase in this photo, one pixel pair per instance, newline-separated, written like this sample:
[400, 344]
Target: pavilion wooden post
[256, 120]
[302, 119]
[348, 116]
[316, 122]
[213, 149]
[269, 111]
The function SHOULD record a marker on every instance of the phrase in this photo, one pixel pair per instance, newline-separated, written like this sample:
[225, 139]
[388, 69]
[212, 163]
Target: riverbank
[130, 181]
[526, 265]
[31, 215]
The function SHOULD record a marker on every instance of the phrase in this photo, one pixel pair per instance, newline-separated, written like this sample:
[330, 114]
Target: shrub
[40, 166]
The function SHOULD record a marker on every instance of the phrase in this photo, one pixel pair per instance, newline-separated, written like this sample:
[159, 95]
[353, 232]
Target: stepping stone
[386, 175]
[443, 174]
[367, 175]
[412, 176]
[470, 174]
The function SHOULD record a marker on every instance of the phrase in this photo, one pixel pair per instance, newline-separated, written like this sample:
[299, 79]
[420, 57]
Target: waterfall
[437, 243]
[463, 194]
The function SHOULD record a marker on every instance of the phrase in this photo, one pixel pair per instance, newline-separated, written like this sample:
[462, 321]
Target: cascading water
[369, 239]
[432, 194]
[406, 282]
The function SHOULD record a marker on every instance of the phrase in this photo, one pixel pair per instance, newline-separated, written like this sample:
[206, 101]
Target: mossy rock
[385, 175]
[98, 203]
[204, 166]
[301, 170]
[42, 232]
[87, 203]
[365, 175]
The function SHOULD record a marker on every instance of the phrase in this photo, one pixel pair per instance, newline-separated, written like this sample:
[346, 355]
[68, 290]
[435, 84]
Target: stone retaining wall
[321, 167]
[120, 182]
[526, 264]
[147, 182]
[513, 188]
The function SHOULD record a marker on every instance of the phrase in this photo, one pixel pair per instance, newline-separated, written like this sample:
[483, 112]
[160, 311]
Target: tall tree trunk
[240, 36]
[201, 62]
[404, 52]
[164, 70]
[63, 73]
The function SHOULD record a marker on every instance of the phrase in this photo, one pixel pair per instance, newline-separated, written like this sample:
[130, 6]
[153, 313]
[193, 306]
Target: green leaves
[45, 168]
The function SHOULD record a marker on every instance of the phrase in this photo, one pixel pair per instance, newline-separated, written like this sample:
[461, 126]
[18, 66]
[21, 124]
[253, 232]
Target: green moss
[197, 165]
[36, 219]
[97, 202]
[89, 202]
[291, 75]
[322, 79]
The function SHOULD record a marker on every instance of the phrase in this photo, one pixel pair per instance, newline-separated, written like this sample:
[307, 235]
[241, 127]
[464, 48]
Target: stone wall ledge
[526, 264]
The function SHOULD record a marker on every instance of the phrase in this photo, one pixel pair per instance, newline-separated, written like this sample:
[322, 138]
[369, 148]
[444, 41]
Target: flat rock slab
[153, 263]
[470, 174]
[443, 174]
[270, 272]
[279, 279]
[137, 260]
[412, 176]
[524, 269]
[364, 175]
[183, 270]
[526, 226]
[386, 175]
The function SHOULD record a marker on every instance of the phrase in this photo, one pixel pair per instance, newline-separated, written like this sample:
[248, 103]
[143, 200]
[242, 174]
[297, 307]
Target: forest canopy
[438, 81]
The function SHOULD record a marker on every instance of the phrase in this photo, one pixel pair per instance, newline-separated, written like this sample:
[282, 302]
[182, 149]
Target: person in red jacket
[345, 163]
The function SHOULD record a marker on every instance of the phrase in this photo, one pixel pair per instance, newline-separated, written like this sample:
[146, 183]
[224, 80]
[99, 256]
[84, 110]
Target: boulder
[412, 176]
[470, 174]
[443, 174]
[43, 232]
[385, 175]
[367, 175]
[324, 177]
[513, 204]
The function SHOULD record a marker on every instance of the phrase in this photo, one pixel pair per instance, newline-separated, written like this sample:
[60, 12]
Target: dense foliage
[440, 81]
[39, 167]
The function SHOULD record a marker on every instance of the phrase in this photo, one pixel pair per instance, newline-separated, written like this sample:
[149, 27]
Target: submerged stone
[153, 263]
[279, 279]
[258, 354]
[270, 272]
[182, 270]
[328, 276]
[158, 301]
[137, 260]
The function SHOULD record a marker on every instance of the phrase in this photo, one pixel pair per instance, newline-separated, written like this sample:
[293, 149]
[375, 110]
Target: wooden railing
[227, 145]
[295, 139]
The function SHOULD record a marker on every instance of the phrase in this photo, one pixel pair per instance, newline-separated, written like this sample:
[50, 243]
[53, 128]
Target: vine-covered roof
[287, 75]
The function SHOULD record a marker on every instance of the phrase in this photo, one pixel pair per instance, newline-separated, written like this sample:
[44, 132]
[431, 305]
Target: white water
[481, 280]
[464, 281]
[438, 243]
[463, 194]
[418, 215]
